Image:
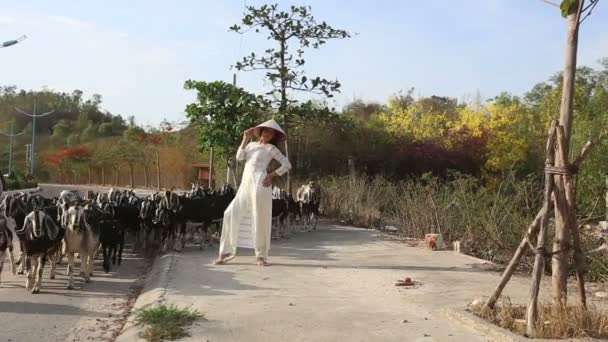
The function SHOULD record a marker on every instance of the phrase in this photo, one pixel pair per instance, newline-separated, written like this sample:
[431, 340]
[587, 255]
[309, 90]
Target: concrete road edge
[495, 333]
[478, 325]
[156, 285]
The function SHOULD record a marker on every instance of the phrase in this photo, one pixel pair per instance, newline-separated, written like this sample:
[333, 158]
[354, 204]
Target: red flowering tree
[71, 159]
[150, 141]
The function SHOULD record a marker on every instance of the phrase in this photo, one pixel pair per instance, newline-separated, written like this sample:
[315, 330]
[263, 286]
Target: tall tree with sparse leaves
[292, 32]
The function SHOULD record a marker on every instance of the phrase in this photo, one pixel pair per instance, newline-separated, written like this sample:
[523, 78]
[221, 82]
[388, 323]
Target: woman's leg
[262, 222]
[230, 229]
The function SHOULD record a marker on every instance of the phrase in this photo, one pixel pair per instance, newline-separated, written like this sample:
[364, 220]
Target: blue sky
[138, 53]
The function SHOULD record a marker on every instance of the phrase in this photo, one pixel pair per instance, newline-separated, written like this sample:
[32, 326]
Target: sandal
[223, 259]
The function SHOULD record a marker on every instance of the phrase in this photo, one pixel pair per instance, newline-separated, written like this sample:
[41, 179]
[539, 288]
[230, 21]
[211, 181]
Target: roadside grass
[573, 322]
[166, 322]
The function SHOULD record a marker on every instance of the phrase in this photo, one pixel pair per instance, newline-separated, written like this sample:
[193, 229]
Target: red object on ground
[406, 282]
[433, 242]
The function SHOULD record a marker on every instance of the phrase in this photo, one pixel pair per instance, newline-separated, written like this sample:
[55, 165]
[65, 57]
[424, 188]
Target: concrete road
[91, 312]
[334, 284]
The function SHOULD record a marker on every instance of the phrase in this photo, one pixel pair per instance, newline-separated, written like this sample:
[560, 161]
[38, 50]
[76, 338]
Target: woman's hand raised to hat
[248, 133]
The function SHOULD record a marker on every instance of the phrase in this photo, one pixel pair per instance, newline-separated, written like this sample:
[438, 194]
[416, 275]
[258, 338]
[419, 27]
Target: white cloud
[73, 22]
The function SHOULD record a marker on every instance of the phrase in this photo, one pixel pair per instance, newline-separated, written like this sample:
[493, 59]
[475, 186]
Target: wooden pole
[519, 253]
[562, 213]
[539, 261]
[579, 257]
[561, 240]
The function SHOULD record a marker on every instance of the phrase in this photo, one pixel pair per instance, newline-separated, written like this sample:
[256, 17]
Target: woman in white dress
[254, 196]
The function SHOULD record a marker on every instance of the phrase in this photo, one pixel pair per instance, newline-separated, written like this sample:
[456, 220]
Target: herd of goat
[49, 229]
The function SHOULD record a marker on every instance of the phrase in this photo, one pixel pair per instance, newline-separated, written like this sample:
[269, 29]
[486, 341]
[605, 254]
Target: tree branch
[590, 8]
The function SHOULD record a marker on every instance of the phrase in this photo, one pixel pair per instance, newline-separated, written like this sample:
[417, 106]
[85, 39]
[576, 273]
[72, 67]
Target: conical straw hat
[270, 124]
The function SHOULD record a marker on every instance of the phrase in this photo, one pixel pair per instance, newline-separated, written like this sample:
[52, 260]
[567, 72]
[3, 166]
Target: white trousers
[254, 200]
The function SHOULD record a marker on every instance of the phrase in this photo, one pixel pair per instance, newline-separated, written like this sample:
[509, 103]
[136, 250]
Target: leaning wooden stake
[579, 258]
[539, 261]
[519, 253]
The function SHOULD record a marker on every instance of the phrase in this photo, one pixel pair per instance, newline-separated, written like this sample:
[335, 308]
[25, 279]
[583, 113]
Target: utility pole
[34, 116]
[28, 155]
[11, 136]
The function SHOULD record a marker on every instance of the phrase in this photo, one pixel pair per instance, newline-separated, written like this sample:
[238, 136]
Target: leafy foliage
[70, 109]
[296, 29]
[566, 6]
[221, 114]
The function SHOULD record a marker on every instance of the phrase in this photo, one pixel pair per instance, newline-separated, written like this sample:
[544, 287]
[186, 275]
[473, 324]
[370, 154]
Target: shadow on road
[30, 308]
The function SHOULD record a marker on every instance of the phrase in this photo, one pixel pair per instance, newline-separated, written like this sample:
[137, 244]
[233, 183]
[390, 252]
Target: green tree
[61, 130]
[361, 110]
[73, 139]
[105, 129]
[127, 152]
[90, 133]
[292, 31]
[118, 124]
[133, 133]
[221, 113]
[83, 122]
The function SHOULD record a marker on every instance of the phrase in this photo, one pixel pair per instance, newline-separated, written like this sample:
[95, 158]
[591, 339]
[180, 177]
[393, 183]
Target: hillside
[80, 123]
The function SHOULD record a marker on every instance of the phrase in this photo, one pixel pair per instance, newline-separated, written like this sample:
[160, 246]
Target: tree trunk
[562, 233]
[131, 176]
[562, 214]
[103, 175]
[211, 169]
[146, 177]
[537, 273]
[228, 171]
[569, 74]
[89, 174]
[158, 183]
[116, 175]
[283, 106]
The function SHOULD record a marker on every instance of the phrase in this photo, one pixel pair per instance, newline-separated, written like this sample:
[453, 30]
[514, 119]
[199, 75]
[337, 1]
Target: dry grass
[488, 222]
[573, 322]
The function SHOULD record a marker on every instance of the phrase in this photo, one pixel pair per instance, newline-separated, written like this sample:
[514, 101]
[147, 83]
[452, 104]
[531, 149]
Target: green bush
[18, 181]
